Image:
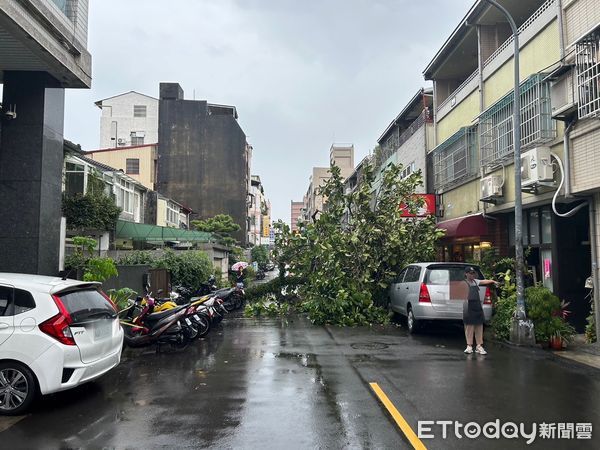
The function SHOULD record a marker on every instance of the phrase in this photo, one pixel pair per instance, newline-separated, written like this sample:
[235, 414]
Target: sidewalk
[581, 352]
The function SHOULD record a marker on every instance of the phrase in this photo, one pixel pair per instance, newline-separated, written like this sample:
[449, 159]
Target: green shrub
[90, 211]
[504, 310]
[94, 268]
[121, 296]
[189, 269]
[266, 306]
[138, 257]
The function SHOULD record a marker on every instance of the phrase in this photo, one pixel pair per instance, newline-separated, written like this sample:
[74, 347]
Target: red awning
[466, 226]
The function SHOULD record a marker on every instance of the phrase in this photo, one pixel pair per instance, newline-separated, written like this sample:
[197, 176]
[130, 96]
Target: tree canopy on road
[350, 254]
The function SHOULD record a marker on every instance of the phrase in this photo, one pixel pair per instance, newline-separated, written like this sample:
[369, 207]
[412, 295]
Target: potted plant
[561, 333]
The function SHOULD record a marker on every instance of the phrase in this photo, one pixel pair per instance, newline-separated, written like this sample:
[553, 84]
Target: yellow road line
[403, 424]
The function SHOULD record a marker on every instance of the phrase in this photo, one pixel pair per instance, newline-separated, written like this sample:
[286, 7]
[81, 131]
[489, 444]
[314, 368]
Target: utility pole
[521, 330]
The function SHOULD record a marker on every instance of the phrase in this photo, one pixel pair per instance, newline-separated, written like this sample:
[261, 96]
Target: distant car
[434, 291]
[55, 334]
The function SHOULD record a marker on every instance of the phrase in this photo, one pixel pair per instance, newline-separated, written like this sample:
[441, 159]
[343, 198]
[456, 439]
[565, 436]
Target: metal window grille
[132, 166]
[496, 123]
[587, 60]
[455, 160]
[139, 110]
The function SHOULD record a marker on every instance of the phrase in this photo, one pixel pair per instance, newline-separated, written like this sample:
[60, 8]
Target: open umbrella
[239, 265]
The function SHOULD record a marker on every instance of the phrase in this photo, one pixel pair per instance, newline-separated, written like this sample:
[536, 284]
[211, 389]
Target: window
[6, 294]
[124, 194]
[587, 61]
[410, 168]
[132, 166]
[139, 110]
[137, 137]
[85, 304]
[401, 275]
[74, 179]
[454, 160]
[496, 123]
[172, 214]
[23, 302]
[412, 274]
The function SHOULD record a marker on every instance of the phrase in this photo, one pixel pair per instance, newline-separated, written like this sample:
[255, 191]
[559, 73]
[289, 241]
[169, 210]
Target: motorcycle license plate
[195, 316]
[188, 322]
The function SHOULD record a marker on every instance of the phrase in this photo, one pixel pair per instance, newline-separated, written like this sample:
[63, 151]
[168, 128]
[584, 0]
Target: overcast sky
[302, 74]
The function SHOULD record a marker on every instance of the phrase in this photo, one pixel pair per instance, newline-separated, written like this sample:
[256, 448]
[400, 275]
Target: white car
[55, 334]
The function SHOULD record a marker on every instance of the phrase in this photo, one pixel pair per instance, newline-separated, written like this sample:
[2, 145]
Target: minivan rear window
[442, 275]
[88, 304]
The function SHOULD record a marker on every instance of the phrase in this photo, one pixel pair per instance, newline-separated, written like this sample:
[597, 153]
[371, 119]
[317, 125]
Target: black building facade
[203, 157]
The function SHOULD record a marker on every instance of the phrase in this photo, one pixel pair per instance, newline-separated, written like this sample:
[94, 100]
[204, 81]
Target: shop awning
[154, 233]
[466, 226]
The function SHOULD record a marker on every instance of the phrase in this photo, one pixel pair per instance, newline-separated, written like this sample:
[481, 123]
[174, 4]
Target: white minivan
[434, 291]
[55, 334]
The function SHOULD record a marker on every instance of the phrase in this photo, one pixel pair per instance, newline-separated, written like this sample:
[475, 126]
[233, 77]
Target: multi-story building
[43, 51]
[473, 157]
[203, 157]
[407, 139]
[296, 215]
[139, 162]
[128, 120]
[341, 155]
[259, 214]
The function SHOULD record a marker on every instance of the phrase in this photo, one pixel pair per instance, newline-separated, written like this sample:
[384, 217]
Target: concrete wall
[131, 277]
[585, 156]
[202, 158]
[461, 115]
[118, 159]
[580, 17]
[119, 109]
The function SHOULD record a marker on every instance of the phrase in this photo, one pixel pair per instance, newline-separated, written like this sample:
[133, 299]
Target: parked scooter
[148, 328]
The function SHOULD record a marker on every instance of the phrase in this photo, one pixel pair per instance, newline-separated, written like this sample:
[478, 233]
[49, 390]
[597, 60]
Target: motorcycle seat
[161, 315]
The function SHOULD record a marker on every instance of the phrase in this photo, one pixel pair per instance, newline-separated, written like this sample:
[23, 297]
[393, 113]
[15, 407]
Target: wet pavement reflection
[273, 383]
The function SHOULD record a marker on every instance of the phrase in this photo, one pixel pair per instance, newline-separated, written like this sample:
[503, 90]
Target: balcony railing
[455, 159]
[496, 123]
[527, 31]
[395, 141]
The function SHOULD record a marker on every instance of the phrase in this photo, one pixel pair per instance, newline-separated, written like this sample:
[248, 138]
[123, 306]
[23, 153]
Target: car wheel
[411, 323]
[17, 388]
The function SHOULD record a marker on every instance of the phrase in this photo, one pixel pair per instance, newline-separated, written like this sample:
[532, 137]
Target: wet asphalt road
[271, 383]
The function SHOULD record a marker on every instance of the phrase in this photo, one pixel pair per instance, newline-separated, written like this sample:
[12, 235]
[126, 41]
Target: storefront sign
[428, 208]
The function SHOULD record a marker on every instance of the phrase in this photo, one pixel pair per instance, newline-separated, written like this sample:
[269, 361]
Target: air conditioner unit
[121, 141]
[536, 167]
[491, 187]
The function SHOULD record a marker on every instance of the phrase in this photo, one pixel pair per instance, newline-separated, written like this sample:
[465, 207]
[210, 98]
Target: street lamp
[522, 330]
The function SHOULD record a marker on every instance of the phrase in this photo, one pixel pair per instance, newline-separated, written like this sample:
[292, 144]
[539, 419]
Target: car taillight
[487, 300]
[424, 294]
[58, 328]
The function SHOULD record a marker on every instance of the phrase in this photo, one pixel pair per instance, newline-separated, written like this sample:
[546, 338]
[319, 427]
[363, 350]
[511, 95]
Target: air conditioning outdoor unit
[536, 167]
[121, 141]
[491, 188]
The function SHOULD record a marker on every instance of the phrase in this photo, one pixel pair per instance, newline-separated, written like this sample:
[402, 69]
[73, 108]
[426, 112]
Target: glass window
[413, 274]
[132, 166]
[401, 275]
[85, 304]
[139, 110]
[5, 299]
[23, 301]
[534, 227]
[546, 226]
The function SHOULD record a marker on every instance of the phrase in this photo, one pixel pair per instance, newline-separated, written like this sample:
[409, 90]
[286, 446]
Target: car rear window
[442, 275]
[86, 304]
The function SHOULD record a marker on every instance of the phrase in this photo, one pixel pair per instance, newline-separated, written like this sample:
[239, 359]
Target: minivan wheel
[17, 388]
[411, 323]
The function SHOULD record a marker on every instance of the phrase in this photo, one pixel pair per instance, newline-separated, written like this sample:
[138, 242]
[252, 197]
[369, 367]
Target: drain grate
[370, 346]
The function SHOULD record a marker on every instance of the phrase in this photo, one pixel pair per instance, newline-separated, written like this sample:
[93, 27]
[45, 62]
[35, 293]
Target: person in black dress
[473, 317]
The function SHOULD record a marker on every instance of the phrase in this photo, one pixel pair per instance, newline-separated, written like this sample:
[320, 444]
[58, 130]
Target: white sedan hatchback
[55, 334]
